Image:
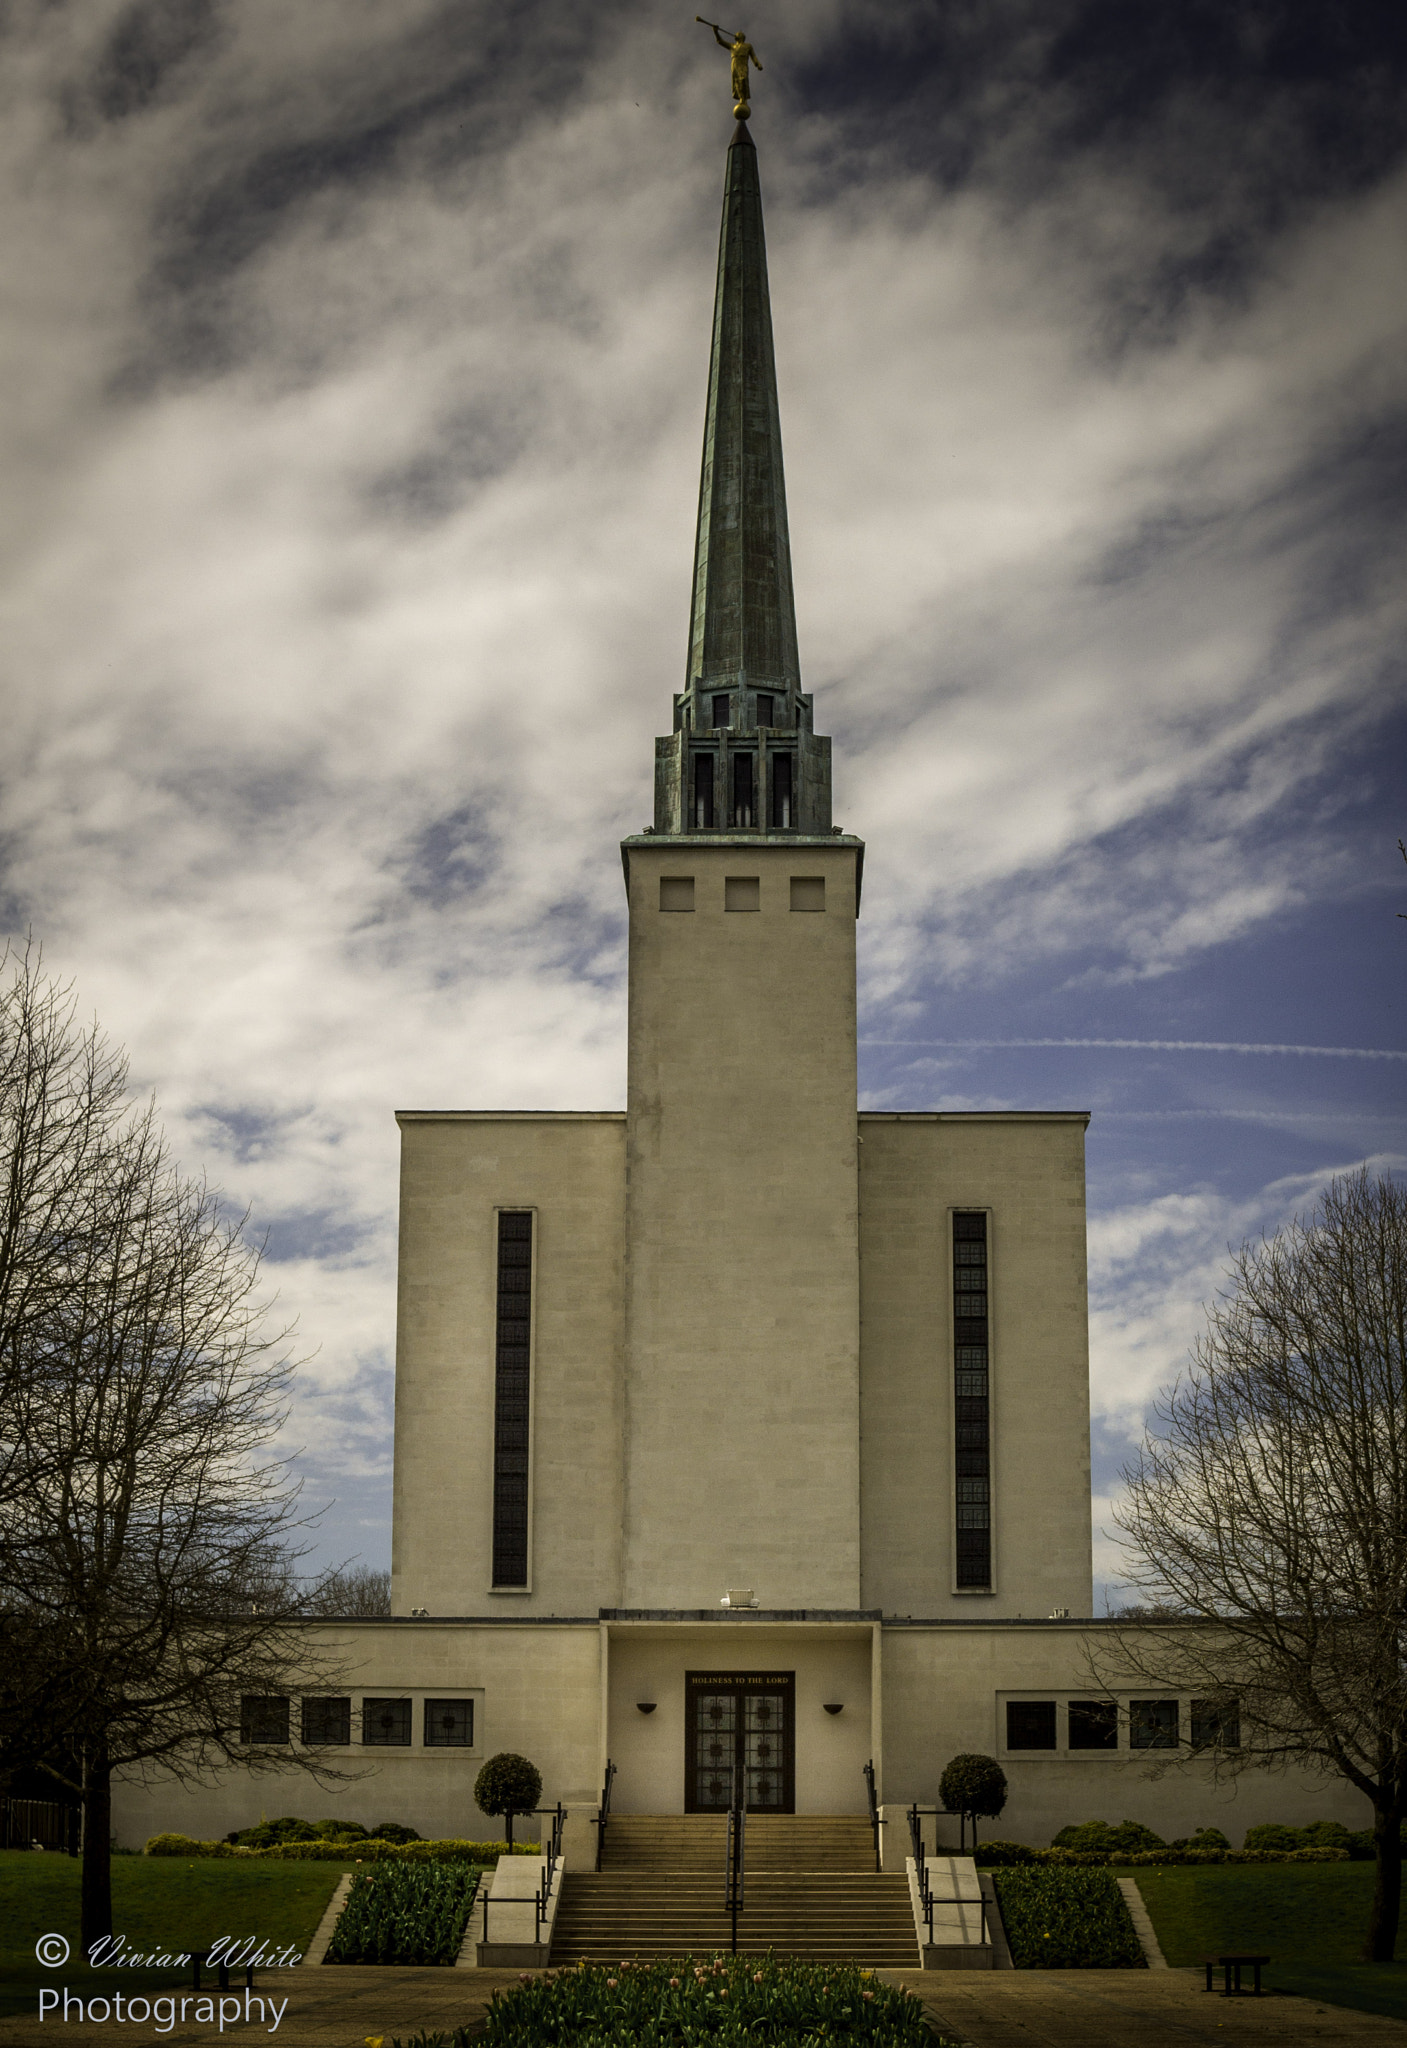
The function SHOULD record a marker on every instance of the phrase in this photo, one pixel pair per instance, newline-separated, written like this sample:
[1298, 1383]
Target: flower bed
[1067, 1920]
[405, 1915]
[726, 2002]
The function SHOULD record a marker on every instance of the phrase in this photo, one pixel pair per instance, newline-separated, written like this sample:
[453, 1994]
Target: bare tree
[357, 1592]
[1268, 1507]
[145, 1530]
[62, 1098]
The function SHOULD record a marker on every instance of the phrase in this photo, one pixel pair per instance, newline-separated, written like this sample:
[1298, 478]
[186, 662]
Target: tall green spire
[743, 755]
[743, 627]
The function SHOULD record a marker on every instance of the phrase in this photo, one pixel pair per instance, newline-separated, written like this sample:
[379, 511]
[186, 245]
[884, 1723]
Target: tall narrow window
[742, 789]
[703, 792]
[510, 1413]
[720, 713]
[972, 1400]
[781, 791]
[765, 710]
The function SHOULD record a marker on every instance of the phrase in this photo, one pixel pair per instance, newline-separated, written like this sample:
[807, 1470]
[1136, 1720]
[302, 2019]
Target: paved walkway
[340, 2008]
[1131, 2009]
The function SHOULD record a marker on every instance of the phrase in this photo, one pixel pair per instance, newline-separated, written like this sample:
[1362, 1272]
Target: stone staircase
[812, 1891]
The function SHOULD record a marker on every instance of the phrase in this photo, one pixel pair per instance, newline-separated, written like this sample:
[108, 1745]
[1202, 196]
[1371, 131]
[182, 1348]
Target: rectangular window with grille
[449, 1724]
[263, 1717]
[1030, 1724]
[972, 1454]
[327, 1721]
[386, 1724]
[510, 1408]
[1153, 1724]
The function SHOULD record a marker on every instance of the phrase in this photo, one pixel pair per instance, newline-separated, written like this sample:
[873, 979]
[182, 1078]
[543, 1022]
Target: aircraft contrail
[1323, 1052]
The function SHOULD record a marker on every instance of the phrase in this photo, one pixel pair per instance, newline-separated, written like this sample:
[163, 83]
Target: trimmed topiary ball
[392, 1831]
[975, 1787]
[507, 1785]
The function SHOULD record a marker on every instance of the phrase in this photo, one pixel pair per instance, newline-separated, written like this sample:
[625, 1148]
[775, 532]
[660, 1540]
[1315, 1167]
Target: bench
[1231, 1966]
[200, 1959]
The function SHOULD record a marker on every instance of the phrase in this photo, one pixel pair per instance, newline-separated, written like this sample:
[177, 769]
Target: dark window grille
[327, 1723]
[1094, 1724]
[972, 1402]
[703, 792]
[263, 1718]
[1216, 1724]
[720, 714]
[449, 1724]
[781, 791]
[1152, 1724]
[510, 1414]
[1030, 1724]
[386, 1724]
[743, 799]
[766, 711]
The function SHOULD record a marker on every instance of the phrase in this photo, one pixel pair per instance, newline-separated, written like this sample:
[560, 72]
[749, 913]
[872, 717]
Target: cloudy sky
[352, 394]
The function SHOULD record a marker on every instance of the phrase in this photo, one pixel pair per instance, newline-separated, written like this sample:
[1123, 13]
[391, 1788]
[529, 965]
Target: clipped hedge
[1067, 1920]
[1129, 1838]
[368, 1851]
[405, 1915]
[272, 1834]
[1017, 1855]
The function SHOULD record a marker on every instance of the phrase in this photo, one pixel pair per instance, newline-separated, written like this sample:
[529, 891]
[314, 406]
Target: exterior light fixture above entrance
[835, 1706]
[739, 1596]
[645, 1706]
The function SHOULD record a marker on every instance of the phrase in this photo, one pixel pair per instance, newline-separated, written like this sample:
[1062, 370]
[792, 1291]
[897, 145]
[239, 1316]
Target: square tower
[741, 1385]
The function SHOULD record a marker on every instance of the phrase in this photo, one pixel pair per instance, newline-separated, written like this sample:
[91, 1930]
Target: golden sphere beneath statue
[741, 110]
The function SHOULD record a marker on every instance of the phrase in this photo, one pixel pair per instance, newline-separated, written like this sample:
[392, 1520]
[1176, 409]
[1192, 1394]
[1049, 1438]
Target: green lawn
[157, 1902]
[1309, 1917]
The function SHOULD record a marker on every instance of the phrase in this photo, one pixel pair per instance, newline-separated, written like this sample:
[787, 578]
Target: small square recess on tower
[676, 892]
[808, 892]
[742, 892]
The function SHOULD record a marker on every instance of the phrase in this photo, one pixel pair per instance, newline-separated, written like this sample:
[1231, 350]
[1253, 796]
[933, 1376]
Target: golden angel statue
[742, 54]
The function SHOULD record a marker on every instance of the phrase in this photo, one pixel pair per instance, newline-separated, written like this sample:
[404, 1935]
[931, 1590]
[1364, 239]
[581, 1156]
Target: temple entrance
[740, 1731]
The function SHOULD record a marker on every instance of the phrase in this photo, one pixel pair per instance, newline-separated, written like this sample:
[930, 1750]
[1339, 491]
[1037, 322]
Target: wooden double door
[741, 1736]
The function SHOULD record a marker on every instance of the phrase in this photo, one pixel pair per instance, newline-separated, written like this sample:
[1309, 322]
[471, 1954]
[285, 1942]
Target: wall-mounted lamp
[739, 1596]
[420, 1614]
[645, 1706]
[834, 1706]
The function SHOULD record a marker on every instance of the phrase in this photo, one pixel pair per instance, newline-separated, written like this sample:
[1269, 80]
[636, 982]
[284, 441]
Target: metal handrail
[952, 1813]
[542, 1897]
[875, 1822]
[928, 1899]
[734, 1896]
[603, 1812]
